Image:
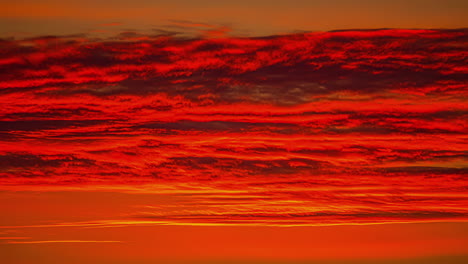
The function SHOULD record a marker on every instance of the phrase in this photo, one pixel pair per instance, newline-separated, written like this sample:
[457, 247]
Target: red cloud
[316, 128]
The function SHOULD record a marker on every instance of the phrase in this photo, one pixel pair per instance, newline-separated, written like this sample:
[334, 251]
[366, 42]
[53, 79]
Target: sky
[26, 18]
[233, 132]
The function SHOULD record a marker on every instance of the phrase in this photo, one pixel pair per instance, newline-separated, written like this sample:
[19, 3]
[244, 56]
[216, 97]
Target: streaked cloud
[59, 241]
[344, 127]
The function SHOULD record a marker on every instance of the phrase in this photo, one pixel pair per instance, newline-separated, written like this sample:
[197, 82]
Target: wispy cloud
[61, 241]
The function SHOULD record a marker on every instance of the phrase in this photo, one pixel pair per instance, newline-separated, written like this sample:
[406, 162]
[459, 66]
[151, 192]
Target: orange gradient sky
[244, 17]
[157, 132]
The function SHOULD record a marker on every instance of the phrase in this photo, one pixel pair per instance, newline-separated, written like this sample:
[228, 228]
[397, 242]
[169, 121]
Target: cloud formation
[310, 128]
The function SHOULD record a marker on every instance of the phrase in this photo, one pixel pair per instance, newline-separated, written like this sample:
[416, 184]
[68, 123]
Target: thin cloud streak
[61, 241]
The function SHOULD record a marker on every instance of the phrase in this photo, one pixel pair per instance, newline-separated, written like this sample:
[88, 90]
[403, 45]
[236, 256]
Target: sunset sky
[233, 131]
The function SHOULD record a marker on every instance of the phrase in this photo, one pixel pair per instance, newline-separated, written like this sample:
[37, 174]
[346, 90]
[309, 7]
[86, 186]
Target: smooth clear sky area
[242, 17]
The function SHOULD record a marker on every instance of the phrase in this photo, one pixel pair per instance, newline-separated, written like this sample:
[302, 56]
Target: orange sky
[149, 132]
[32, 17]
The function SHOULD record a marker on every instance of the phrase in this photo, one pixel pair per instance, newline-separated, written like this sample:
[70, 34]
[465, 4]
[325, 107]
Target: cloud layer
[302, 129]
